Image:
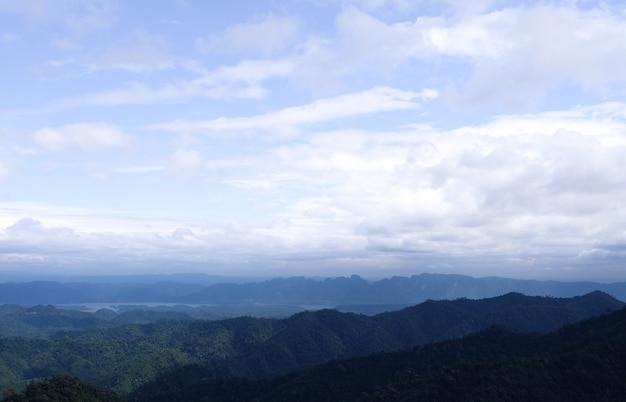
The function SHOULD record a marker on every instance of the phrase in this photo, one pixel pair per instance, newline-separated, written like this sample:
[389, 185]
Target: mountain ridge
[124, 356]
[353, 293]
[585, 360]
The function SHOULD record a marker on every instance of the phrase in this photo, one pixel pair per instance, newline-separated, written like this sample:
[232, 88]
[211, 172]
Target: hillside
[62, 388]
[582, 361]
[125, 357]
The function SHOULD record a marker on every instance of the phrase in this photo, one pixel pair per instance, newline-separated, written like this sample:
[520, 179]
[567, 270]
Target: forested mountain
[585, 361]
[62, 388]
[581, 361]
[16, 320]
[127, 356]
[347, 294]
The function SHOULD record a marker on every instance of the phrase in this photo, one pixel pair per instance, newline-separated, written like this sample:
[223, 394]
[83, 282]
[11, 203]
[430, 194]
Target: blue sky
[314, 137]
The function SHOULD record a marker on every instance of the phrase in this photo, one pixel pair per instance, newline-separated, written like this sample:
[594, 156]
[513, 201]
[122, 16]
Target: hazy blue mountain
[134, 291]
[354, 291]
[39, 292]
[350, 293]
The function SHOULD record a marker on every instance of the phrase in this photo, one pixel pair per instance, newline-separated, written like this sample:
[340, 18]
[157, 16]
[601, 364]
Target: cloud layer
[317, 138]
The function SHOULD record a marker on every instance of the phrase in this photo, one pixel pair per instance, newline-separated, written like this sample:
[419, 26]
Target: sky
[314, 137]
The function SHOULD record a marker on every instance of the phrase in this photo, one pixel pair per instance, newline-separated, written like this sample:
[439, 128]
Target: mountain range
[345, 293]
[583, 361]
[127, 356]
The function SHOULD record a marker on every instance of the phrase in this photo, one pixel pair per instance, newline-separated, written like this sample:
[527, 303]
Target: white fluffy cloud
[536, 192]
[86, 136]
[528, 189]
[521, 187]
[516, 53]
[304, 139]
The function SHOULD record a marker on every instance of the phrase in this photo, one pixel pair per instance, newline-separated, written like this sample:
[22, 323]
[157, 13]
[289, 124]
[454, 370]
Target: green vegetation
[62, 388]
[585, 361]
[354, 356]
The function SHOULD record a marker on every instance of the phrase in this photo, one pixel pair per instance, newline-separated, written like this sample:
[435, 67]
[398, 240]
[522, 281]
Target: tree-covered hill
[17, 320]
[61, 388]
[585, 361]
[40, 320]
[124, 357]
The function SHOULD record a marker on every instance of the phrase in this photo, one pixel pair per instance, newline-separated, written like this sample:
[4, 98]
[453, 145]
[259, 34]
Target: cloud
[375, 100]
[268, 35]
[603, 121]
[359, 32]
[510, 56]
[170, 243]
[520, 194]
[85, 136]
[31, 240]
[240, 81]
[360, 171]
[558, 45]
[142, 94]
[528, 185]
[538, 193]
[26, 227]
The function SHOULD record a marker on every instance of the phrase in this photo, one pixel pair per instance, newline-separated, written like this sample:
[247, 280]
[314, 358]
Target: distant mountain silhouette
[348, 293]
[355, 291]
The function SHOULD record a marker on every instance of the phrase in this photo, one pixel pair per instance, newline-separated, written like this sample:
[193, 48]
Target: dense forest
[436, 348]
[62, 388]
[583, 361]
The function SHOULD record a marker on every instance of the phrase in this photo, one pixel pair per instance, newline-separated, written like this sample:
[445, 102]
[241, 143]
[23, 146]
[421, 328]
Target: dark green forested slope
[125, 357]
[582, 362]
[62, 388]
[16, 320]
